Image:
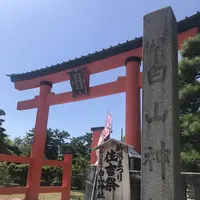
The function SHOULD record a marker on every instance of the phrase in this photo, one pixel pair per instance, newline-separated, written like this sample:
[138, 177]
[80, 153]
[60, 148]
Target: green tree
[6, 144]
[189, 94]
[58, 143]
[78, 146]
[54, 140]
[24, 144]
[4, 174]
[3, 136]
[11, 147]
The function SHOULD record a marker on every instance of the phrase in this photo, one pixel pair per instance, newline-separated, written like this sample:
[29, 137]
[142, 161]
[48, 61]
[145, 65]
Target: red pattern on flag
[108, 126]
[105, 133]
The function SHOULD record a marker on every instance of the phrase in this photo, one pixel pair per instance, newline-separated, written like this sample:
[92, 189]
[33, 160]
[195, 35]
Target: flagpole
[122, 134]
[94, 185]
[96, 174]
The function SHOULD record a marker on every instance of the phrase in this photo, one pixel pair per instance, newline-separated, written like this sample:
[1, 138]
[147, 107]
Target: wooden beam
[92, 68]
[13, 190]
[15, 159]
[97, 66]
[54, 163]
[115, 87]
[28, 104]
[94, 92]
[23, 190]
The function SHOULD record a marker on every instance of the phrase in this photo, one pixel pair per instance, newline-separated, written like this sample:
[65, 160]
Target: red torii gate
[129, 53]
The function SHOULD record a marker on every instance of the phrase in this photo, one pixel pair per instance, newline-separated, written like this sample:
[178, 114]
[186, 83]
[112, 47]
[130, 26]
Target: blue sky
[35, 34]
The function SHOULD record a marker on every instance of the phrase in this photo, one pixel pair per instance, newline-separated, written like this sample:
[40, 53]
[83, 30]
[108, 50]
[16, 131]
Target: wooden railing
[66, 165]
[190, 185]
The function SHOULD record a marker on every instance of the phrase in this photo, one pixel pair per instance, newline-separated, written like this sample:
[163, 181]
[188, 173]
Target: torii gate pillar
[132, 136]
[37, 154]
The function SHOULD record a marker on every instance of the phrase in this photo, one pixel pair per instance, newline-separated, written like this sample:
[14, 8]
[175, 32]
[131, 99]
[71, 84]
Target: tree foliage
[60, 142]
[57, 144]
[54, 141]
[6, 144]
[189, 94]
[3, 136]
[4, 174]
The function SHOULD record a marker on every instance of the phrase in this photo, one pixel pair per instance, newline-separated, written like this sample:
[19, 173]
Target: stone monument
[160, 122]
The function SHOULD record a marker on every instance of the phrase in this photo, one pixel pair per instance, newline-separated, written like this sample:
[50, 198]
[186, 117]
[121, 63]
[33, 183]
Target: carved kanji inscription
[157, 74]
[156, 116]
[160, 156]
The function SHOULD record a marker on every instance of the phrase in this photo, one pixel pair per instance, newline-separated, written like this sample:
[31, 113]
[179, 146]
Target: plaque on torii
[79, 80]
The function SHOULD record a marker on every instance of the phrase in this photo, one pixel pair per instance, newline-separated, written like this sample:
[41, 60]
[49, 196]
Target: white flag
[105, 133]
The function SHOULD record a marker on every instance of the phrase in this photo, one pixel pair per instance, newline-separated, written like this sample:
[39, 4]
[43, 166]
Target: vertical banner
[108, 126]
[105, 133]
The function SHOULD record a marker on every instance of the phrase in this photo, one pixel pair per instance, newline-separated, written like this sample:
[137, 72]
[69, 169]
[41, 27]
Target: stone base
[91, 170]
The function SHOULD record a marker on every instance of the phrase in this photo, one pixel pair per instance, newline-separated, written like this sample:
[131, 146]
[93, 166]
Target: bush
[190, 161]
[4, 175]
[51, 175]
[18, 173]
[78, 182]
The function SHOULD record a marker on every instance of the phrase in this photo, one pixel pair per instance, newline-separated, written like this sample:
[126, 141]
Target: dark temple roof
[100, 128]
[184, 25]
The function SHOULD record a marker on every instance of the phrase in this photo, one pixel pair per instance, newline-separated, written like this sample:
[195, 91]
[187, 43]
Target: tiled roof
[97, 128]
[184, 25]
